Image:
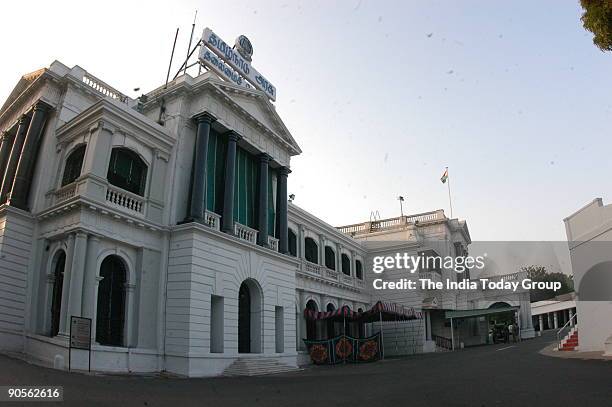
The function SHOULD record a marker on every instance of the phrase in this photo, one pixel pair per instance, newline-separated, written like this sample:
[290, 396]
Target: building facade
[589, 236]
[165, 221]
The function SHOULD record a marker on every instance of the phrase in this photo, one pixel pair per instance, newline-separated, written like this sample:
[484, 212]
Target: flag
[444, 176]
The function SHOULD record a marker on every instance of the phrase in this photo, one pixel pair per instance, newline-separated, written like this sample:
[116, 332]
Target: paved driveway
[501, 375]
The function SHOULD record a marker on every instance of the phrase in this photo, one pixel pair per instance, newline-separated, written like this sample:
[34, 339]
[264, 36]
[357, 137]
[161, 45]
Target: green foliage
[539, 273]
[597, 18]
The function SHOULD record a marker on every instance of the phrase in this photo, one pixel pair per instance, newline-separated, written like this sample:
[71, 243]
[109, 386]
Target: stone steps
[249, 366]
[570, 342]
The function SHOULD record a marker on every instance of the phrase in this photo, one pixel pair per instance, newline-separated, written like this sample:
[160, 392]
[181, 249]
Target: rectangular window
[216, 324]
[280, 329]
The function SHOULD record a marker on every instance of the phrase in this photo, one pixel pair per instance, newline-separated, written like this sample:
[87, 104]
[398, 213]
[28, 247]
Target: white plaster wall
[202, 263]
[16, 231]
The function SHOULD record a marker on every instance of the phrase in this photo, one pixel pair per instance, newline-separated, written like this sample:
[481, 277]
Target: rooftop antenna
[171, 58]
[162, 107]
[190, 40]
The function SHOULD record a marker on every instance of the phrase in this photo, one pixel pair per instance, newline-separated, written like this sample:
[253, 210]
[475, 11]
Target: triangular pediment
[22, 85]
[259, 107]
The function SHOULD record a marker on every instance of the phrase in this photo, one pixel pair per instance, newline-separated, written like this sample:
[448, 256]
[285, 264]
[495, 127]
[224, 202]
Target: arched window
[346, 264]
[359, 269]
[330, 258]
[111, 302]
[56, 299]
[74, 162]
[127, 171]
[292, 243]
[311, 325]
[311, 250]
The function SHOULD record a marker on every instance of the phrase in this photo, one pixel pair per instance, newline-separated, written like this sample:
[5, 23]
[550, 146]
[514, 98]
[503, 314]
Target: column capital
[233, 136]
[23, 119]
[264, 158]
[81, 234]
[205, 117]
[41, 106]
[284, 171]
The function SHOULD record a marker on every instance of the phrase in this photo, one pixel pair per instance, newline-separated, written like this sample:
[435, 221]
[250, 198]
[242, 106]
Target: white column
[130, 313]
[301, 249]
[548, 317]
[322, 250]
[89, 280]
[97, 280]
[66, 286]
[555, 320]
[541, 320]
[77, 271]
[571, 316]
[338, 258]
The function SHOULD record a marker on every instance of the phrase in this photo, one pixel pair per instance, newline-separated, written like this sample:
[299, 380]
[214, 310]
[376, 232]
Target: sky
[381, 96]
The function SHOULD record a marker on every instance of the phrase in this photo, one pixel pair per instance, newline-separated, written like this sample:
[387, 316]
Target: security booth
[483, 326]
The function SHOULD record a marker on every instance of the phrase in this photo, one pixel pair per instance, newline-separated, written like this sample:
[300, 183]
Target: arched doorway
[56, 298]
[311, 326]
[596, 283]
[249, 317]
[110, 316]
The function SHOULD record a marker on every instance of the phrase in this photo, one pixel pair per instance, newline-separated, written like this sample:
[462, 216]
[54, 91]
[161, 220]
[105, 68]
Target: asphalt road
[500, 375]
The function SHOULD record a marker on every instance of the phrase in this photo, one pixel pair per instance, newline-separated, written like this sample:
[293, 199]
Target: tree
[597, 18]
[539, 273]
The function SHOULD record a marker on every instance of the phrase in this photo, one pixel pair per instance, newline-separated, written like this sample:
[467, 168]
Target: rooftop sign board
[233, 63]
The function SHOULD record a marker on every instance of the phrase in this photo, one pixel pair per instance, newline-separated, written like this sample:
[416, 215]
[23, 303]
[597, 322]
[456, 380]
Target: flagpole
[450, 201]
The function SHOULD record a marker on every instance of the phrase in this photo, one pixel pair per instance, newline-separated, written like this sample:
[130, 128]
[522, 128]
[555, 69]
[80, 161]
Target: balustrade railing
[212, 220]
[66, 192]
[124, 199]
[273, 243]
[360, 283]
[333, 274]
[391, 223]
[348, 280]
[430, 275]
[103, 88]
[311, 268]
[245, 233]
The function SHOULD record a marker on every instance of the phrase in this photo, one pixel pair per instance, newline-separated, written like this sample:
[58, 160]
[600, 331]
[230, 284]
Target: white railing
[124, 199]
[212, 220]
[66, 192]
[508, 277]
[391, 223]
[426, 217]
[273, 243]
[348, 280]
[311, 268]
[571, 323]
[430, 275]
[332, 274]
[245, 233]
[103, 88]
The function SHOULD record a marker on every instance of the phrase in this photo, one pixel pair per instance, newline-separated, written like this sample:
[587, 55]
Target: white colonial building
[165, 220]
[589, 236]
